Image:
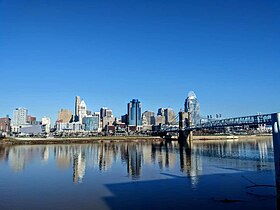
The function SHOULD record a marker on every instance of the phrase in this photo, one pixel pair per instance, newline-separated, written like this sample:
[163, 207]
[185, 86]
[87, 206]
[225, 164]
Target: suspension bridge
[186, 127]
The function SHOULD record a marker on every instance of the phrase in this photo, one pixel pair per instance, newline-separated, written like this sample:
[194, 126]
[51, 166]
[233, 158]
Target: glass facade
[192, 106]
[91, 123]
[134, 112]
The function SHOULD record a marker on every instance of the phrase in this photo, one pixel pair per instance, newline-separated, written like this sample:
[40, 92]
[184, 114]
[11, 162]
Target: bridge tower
[185, 134]
[276, 146]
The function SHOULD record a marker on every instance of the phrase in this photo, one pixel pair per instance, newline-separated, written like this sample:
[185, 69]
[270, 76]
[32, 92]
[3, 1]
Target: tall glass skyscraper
[192, 106]
[134, 112]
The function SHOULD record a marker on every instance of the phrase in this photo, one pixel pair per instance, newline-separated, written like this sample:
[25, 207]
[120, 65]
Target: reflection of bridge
[185, 131]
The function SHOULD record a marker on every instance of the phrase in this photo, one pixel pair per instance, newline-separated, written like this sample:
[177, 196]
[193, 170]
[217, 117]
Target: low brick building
[5, 124]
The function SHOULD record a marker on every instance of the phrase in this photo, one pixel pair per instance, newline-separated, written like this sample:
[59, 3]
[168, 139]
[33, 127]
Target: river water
[139, 175]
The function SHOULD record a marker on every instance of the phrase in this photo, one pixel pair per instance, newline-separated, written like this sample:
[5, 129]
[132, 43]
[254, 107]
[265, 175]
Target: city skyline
[55, 117]
[227, 52]
[65, 115]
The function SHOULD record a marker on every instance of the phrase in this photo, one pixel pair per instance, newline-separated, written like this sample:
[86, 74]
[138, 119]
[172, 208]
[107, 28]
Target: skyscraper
[82, 110]
[77, 106]
[64, 116]
[160, 112]
[159, 120]
[20, 116]
[134, 112]
[105, 112]
[148, 117]
[192, 106]
[170, 116]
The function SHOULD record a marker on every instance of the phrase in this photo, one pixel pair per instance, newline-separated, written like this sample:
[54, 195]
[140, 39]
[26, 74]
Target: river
[139, 175]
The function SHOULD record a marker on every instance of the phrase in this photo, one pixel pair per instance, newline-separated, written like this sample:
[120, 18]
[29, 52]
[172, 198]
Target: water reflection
[135, 157]
[79, 167]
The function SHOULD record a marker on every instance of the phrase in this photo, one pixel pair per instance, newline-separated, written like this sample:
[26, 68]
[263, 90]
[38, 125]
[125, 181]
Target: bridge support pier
[275, 118]
[185, 137]
[184, 121]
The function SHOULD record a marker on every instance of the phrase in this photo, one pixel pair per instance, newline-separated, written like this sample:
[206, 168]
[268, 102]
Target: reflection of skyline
[135, 155]
[62, 155]
[19, 156]
[4, 153]
[45, 154]
[79, 167]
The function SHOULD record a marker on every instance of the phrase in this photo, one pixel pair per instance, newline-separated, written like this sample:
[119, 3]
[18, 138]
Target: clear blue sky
[109, 52]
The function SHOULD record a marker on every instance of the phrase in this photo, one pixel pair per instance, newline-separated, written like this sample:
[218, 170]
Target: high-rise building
[107, 121]
[134, 112]
[160, 112]
[82, 110]
[159, 120]
[20, 116]
[148, 118]
[124, 119]
[106, 116]
[170, 116]
[64, 116]
[97, 114]
[192, 106]
[108, 113]
[77, 106]
[46, 123]
[105, 112]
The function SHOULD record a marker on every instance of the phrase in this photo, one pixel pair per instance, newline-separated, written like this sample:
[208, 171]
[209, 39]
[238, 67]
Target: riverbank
[231, 137]
[99, 139]
[19, 141]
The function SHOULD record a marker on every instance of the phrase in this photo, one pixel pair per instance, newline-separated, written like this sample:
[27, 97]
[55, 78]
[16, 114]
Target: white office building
[82, 111]
[19, 116]
[46, 123]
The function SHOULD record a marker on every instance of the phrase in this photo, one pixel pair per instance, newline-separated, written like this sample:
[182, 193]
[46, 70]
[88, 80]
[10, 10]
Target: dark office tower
[160, 112]
[192, 106]
[77, 106]
[134, 112]
[103, 112]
